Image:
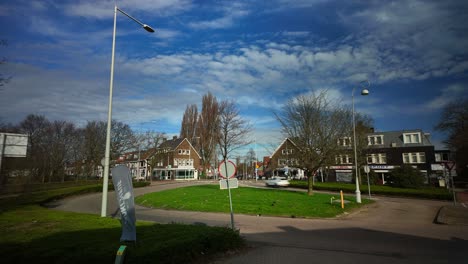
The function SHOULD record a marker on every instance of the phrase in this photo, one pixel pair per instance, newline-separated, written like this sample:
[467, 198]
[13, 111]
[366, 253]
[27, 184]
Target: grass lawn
[426, 192]
[253, 201]
[30, 233]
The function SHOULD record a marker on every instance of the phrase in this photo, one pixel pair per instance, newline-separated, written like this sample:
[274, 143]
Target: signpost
[227, 170]
[449, 166]
[367, 170]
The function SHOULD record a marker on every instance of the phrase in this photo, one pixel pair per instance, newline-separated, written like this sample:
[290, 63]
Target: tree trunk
[310, 185]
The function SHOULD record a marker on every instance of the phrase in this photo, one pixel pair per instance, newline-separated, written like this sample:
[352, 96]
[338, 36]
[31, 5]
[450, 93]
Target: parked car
[277, 182]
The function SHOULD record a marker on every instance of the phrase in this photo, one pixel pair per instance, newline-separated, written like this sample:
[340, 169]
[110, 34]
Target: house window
[287, 162]
[287, 151]
[184, 151]
[411, 138]
[378, 158]
[375, 140]
[346, 141]
[415, 157]
[343, 159]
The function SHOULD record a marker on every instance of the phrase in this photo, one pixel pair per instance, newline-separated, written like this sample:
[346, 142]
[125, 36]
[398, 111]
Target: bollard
[342, 200]
[120, 256]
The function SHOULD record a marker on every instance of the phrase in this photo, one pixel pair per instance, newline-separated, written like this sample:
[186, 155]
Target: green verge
[426, 193]
[33, 234]
[252, 201]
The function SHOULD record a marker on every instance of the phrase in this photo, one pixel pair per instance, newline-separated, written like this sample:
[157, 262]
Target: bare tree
[35, 126]
[207, 129]
[233, 130]
[122, 138]
[251, 159]
[59, 138]
[454, 121]
[94, 145]
[189, 123]
[150, 141]
[315, 125]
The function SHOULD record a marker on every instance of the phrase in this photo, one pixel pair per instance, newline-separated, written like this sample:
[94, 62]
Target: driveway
[392, 230]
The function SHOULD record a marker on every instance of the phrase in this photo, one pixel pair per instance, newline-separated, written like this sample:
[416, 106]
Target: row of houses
[177, 159]
[384, 152]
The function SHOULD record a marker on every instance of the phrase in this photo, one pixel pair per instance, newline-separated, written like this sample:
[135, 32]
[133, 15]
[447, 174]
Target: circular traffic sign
[227, 169]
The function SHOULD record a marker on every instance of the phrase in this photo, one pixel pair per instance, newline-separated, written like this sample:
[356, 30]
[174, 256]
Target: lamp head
[148, 28]
[364, 92]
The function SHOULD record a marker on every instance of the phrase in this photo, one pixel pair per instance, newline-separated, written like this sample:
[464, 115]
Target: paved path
[392, 230]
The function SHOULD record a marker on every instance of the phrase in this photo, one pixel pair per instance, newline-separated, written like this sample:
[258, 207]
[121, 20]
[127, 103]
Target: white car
[277, 182]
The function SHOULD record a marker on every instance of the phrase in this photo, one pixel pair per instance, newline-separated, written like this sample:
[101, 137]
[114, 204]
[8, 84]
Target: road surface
[392, 230]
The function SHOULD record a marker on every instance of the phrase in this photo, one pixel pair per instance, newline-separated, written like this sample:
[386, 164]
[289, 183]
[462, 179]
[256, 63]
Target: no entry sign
[227, 169]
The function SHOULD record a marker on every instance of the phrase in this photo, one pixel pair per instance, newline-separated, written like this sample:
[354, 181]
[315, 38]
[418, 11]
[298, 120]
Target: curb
[452, 215]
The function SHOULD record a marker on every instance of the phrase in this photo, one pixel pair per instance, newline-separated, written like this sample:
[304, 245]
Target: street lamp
[363, 92]
[109, 113]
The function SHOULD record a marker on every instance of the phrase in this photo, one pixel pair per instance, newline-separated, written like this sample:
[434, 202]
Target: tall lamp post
[109, 113]
[358, 192]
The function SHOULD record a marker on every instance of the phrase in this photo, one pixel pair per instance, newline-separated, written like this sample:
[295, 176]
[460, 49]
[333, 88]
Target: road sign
[227, 169]
[449, 165]
[366, 169]
[232, 184]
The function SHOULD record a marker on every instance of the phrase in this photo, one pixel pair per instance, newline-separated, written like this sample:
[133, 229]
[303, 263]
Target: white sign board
[13, 145]
[233, 183]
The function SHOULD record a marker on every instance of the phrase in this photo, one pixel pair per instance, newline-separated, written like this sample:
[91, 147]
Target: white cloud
[448, 94]
[105, 9]
[230, 14]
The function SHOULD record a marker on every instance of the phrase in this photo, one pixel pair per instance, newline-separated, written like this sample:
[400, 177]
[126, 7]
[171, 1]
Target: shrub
[406, 177]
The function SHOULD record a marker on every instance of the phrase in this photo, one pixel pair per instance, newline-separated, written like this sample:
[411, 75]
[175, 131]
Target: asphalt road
[392, 230]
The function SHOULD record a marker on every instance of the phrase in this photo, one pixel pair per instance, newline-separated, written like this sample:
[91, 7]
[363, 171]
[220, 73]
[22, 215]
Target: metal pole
[109, 121]
[229, 191]
[368, 185]
[453, 187]
[358, 192]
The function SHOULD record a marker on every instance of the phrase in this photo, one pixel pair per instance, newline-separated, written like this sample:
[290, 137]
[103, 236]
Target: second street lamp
[358, 192]
[109, 113]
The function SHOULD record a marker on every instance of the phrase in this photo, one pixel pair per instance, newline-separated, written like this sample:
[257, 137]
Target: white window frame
[377, 158]
[344, 159]
[286, 151]
[372, 140]
[344, 141]
[414, 158]
[412, 138]
[184, 151]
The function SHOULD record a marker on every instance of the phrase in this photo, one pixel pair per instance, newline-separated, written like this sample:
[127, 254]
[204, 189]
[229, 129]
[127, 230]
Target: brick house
[176, 159]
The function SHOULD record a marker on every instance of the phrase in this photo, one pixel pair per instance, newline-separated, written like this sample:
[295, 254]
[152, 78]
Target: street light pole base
[358, 196]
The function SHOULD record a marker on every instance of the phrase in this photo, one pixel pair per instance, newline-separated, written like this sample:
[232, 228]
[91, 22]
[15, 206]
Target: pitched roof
[171, 144]
[284, 141]
[396, 137]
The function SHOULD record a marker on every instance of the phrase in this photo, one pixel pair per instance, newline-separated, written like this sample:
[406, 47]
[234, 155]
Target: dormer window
[375, 140]
[409, 138]
[346, 141]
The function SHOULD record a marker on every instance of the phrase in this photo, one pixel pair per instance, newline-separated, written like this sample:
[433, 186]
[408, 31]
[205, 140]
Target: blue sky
[259, 53]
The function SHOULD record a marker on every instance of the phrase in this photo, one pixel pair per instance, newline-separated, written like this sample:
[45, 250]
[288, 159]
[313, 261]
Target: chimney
[174, 137]
[372, 130]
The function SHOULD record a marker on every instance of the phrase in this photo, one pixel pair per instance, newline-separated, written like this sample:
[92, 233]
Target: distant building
[176, 159]
[284, 162]
[386, 151]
